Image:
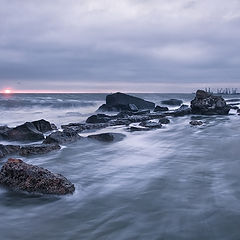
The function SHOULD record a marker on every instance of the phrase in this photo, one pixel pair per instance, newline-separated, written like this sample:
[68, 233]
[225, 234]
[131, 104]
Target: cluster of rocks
[207, 104]
[132, 110]
[29, 131]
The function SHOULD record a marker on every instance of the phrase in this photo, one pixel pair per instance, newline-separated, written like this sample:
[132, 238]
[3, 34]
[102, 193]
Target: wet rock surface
[182, 111]
[209, 104]
[164, 120]
[24, 132]
[8, 150]
[150, 124]
[196, 123]
[44, 126]
[107, 137]
[160, 109]
[21, 176]
[58, 137]
[36, 149]
[122, 102]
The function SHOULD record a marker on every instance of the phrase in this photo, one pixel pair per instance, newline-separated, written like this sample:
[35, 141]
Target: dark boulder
[123, 102]
[43, 126]
[107, 137]
[99, 118]
[172, 102]
[8, 149]
[160, 109]
[36, 149]
[196, 123]
[209, 104]
[164, 120]
[58, 137]
[21, 176]
[24, 132]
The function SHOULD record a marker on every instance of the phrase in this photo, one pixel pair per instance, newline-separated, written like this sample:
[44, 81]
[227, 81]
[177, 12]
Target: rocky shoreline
[135, 114]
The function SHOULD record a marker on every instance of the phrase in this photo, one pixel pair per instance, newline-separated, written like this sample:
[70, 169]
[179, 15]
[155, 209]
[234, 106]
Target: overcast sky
[125, 45]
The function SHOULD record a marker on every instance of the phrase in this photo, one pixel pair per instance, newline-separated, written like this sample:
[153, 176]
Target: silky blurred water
[178, 182]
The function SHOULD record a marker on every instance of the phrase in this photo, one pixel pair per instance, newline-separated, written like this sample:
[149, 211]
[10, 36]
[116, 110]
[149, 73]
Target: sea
[180, 182]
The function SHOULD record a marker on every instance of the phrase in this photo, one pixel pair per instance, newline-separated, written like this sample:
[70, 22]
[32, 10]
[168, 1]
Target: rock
[196, 123]
[123, 102]
[43, 126]
[3, 132]
[35, 149]
[208, 104]
[172, 102]
[80, 127]
[182, 111]
[164, 120]
[150, 124]
[24, 132]
[238, 111]
[99, 118]
[21, 176]
[160, 109]
[8, 149]
[107, 137]
[66, 136]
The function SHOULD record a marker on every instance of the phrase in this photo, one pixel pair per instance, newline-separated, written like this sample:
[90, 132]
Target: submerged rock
[123, 102]
[182, 111]
[19, 175]
[150, 124]
[107, 137]
[196, 123]
[66, 136]
[160, 109]
[172, 102]
[208, 104]
[8, 149]
[164, 120]
[36, 149]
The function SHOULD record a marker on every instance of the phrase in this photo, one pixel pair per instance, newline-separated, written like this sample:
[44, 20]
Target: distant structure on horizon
[223, 91]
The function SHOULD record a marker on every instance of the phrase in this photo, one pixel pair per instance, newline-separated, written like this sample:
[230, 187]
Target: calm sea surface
[176, 183]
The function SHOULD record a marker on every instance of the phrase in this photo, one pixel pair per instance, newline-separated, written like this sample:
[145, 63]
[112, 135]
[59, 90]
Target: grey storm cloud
[82, 42]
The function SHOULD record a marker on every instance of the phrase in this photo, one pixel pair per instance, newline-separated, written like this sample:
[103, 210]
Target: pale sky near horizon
[127, 45]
